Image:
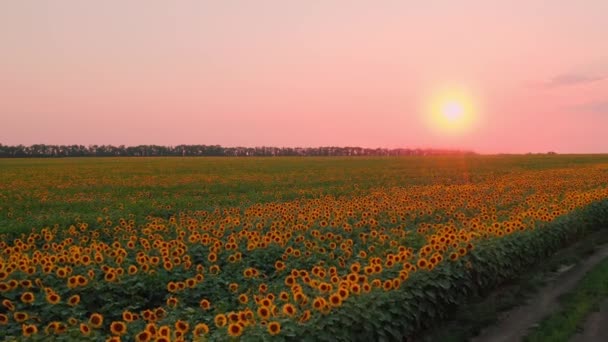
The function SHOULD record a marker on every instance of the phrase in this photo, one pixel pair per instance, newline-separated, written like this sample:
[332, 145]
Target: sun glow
[451, 111]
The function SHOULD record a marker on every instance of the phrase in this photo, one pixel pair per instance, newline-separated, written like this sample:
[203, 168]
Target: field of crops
[275, 248]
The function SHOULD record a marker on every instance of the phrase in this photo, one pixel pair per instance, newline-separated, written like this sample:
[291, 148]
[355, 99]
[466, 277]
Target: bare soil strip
[513, 325]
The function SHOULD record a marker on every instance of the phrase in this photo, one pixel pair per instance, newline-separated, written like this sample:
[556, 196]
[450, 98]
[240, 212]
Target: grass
[575, 307]
[484, 310]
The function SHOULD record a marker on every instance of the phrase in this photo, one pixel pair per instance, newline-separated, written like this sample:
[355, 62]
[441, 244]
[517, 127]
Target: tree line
[50, 151]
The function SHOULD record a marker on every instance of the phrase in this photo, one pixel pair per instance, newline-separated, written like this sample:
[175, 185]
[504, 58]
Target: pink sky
[303, 73]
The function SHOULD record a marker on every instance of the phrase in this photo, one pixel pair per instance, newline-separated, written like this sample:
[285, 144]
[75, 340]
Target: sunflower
[319, 303]
[387, 285]
[171, 287]
[244, 317]
[396, 283]
[266, 302]
[147, 315]
[20, 316]
[422, 263]
[164, 331]
[110, 276]
[160, 313]
[168, 265]
[343, 292]
[243, 298]
[85, 330]
[96, 320]
[53, 298]
[235, 330]
[127, 316]
[233, 317]
[182, 326]
[29, 330]
[118, 328]
[151, 328]
[353, 277]
[263, 312]
[143, 336]
[212, 257]
[299, 297]
[274, 328]
[305, 316]
[55, 327]
[132, 269]
[279, 265]
[200, 329]
[335, 300]
[289, 310]
[289, 280]
[172, 302]
[205, 304]
[72, 282]
[27, 297]
[74, 300]
[61, 272]
[220, 320]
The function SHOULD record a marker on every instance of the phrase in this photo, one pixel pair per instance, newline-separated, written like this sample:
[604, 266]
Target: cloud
[599, 107]
[572, 79]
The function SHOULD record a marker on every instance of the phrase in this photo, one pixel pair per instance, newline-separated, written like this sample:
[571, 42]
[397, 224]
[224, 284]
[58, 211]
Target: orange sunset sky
[532, 76]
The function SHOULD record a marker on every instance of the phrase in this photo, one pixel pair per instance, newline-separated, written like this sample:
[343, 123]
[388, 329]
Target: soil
[513, 325]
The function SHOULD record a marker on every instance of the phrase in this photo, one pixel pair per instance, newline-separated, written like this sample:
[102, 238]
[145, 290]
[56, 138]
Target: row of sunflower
[380, 265]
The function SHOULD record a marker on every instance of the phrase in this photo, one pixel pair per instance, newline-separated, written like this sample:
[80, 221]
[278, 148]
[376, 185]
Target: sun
[451, 111]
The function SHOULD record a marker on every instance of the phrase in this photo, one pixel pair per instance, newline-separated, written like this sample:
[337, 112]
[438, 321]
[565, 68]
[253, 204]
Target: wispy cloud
[572, 79]
[599, 107]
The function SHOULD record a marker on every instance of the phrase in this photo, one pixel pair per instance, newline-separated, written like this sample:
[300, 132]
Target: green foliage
[576, 305]
[426, 297]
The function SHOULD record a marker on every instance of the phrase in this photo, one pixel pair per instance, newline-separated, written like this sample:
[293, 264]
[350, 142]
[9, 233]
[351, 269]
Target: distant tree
[48, 151]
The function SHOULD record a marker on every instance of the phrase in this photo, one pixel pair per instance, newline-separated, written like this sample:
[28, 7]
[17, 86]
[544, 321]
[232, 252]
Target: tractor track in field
[513, 325]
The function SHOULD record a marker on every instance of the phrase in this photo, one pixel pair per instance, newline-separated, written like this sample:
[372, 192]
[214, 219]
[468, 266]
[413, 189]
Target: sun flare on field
[451, 111]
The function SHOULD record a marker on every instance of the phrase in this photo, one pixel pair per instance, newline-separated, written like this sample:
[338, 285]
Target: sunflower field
[287, 249]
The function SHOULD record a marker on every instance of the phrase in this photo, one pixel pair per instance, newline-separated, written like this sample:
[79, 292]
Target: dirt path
[596, 326]
[514, 324]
